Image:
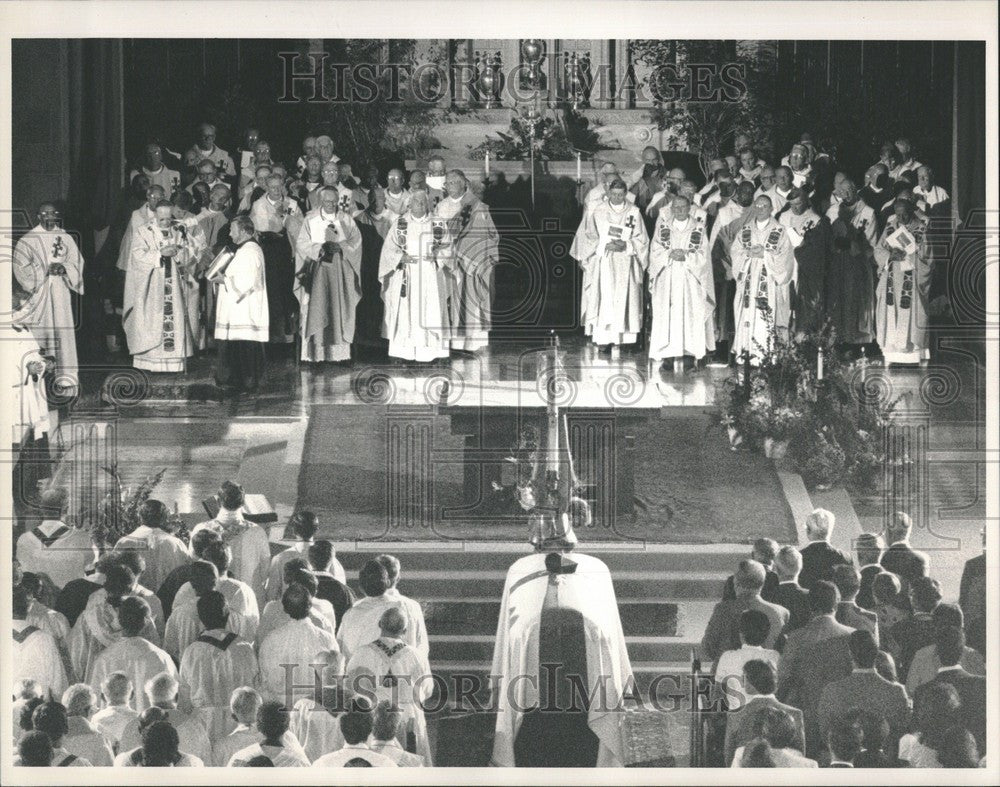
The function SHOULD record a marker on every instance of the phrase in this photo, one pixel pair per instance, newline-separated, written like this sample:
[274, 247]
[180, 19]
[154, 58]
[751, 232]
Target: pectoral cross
[58, 248]
[630, 222]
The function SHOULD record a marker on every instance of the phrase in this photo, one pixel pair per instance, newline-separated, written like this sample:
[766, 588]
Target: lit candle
[487, 163]
[579, 174]
[819, 365]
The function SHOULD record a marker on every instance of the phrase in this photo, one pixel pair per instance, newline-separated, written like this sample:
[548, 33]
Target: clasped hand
[616, 245]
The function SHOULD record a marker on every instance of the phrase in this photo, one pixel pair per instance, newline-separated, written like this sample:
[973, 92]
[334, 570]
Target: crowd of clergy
[244, 252]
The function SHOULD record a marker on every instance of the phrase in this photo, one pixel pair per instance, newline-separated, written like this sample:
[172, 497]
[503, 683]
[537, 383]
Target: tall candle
[819, 364]
[579, 174]
[487, 163]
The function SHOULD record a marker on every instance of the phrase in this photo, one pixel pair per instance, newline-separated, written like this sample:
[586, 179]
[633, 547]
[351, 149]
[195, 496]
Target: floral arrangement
[830, 427]
[555, 139]
[117, 514]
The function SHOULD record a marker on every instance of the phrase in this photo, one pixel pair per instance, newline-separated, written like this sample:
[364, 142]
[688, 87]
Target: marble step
[479, 648]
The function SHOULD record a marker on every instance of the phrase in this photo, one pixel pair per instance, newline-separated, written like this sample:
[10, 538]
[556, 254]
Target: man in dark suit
[789, 593]
[950, 643]
[916, 631]
[330, 588]
[723, 630]
[764, 550]
[864, 688]
[818, 556]
[844, 741]
[814, 655]
[848, 582]
[900, 558]
[742, 726]
[972, 600]
[868, 548]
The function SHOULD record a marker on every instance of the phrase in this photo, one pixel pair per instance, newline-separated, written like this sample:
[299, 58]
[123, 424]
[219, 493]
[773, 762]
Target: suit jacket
[766, 593]
[905, 562]
[795, 599]
[818, 560]
[723, 630]
[972, 600]
[865, 599]
[741, 725]
[972, 692]
[867, 691]
[910, 635]
[850, 614]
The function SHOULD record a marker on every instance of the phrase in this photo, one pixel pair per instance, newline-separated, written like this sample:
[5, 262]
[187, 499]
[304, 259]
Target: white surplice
[36, 656]
[360, 623]
[136, 657]
[300, 643]
[212, 667]
[763, 301]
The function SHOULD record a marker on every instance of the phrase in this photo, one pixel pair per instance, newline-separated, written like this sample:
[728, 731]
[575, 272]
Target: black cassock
[368, 317]
[279, 276]
[813, 260]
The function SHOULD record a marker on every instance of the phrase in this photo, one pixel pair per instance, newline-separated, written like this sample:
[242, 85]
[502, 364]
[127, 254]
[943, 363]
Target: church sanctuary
[508, 403]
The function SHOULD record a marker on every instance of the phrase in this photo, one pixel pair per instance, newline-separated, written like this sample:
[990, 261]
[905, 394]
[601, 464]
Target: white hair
[162, 688]
[79, 700]
[244, 703]
[116, 688]
[819, 524]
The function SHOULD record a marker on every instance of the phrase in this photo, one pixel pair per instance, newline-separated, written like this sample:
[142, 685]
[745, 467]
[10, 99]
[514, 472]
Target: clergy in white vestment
[248, 541]
[205, 149]
[162, 691]
[241, 313]
[361, 622]
[321, 611]
[416, 628]
[29, 411]
[303, 645]
[162, 551]
[48, 267]
[388, 720]
[903, 293]
[144, 214]
[214, 665]
[779, 192]
[799, 163]
[156, 171]
[138, 658]
[329, 178]
[315, 722]
[669, 186]
[35, 655]
[161, 267]
[82, 738]
[42, 617]
[709, 193]
[60, 551]
[184, 624]
[929, 198]
[244, 613]
[415, 249]
[328, 279]
[117, 711]
[682, 292]
[559, 610]
[613, 255]
[763, 265]
[397, 196]
[272, 724]
[474, 239]
[389, 670]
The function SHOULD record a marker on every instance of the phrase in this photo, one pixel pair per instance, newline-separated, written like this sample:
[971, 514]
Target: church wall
[39, 123]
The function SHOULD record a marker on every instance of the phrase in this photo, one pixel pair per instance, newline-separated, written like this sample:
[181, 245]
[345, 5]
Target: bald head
[392, 623]
[762, 207]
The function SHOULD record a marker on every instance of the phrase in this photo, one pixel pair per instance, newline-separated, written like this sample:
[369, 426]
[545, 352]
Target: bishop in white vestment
[904, 278]
[328, 279]
[681, 286]
[559, 610]
[763, 264]
[613, 255]
[157, 287]
[48, 267]
[416, 247]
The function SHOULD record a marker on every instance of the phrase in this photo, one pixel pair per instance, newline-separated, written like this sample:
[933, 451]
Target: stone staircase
[665, 595]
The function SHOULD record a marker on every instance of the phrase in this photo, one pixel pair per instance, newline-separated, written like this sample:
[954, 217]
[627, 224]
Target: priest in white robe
[904, 277]
[763, 264]
[397, 196]
[157, 286]
[214, 665]
[162, 551]
[475, 256]
[48, 267]
[559, 610]
[157, 172]
[328, 279]
[35, 655]
[388, 669]
[132, 654]
[613, 256]
[144, 214]
[416, 248]
[681, 287]
[241, 315]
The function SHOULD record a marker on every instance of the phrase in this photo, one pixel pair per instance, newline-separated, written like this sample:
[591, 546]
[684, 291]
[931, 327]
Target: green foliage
[832, 429]
[554, 139]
